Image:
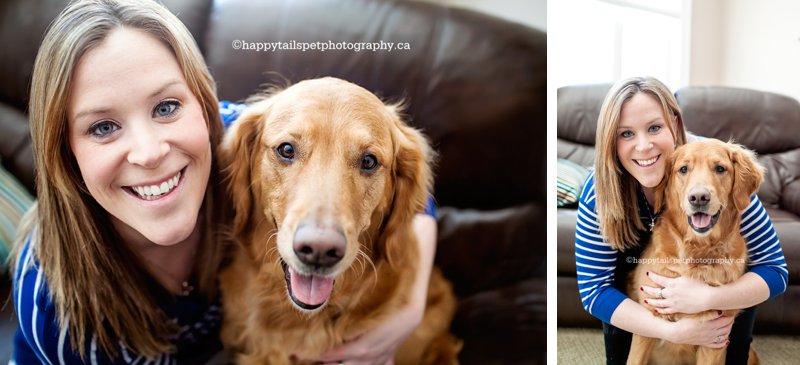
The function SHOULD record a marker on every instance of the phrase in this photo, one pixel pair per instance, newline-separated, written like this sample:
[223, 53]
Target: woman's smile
[155, 191]
[648, 162]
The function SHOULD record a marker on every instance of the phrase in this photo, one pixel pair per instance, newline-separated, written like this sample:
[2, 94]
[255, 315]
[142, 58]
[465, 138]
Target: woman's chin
[650, 180]
[170, 237]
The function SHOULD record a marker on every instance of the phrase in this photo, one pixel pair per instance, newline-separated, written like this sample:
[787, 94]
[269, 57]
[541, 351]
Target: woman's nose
[643, 143]
[148, 147]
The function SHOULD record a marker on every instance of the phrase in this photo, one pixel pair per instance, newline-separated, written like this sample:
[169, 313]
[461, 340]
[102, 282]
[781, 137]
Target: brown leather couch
[764, 122]
[475, 84]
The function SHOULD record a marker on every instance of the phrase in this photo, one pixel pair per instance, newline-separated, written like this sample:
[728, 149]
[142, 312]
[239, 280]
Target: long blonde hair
[97, 284]
[615, 189]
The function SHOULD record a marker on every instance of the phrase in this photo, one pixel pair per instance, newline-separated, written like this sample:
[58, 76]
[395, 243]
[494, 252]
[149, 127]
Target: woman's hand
[378, 345]
[712, 333]
[681, 294]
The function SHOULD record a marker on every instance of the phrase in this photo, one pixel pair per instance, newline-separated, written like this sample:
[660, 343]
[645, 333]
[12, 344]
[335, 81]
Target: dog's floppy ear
[747, 175]
[238, 154]
[412, 179]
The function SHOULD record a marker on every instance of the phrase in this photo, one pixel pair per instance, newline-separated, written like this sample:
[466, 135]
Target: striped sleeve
[229, 111]
[595, 260]
[430, 207]
[764, 247]
[39, 338]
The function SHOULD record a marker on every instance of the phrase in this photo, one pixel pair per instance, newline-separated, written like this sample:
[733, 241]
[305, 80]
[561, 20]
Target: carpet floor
[581, 346]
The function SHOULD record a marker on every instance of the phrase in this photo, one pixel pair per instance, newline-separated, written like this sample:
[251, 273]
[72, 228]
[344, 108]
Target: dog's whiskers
[271, 249]
[368, 260]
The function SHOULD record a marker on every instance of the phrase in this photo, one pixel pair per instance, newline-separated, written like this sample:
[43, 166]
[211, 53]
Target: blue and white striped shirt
[596, 260]
[40, 338]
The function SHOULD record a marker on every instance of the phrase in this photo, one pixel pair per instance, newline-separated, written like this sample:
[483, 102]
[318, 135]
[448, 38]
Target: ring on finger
[661, 293]
[718, 340]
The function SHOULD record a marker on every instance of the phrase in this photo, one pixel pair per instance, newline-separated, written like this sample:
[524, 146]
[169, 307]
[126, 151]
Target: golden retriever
[706, 187]
[326, 180]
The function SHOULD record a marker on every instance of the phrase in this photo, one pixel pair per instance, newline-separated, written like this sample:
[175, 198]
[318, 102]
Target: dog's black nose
[319, 247]
[699, 197]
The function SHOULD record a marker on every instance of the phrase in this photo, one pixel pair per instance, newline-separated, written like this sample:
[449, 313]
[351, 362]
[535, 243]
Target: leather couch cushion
[480, 250]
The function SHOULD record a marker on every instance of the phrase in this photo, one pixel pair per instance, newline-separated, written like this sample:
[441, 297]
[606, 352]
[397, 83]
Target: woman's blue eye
[103, 129]
[166, 108]
[655, 128]
[626, 134]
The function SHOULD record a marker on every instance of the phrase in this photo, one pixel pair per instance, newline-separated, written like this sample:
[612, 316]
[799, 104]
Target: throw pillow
[14, 202]
[570, 177]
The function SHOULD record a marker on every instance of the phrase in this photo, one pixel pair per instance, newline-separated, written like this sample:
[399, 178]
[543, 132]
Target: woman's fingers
[721, 330]
[652, 292]
[723, 323]
[663, 281]
[720, 345]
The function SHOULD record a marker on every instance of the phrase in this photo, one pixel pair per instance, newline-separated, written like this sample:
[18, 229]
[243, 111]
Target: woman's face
[139, 137]
[644, 139]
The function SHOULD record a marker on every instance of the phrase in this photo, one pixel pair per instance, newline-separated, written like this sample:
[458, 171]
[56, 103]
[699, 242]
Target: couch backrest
[762, 121]
[475, 84]
[578, 108]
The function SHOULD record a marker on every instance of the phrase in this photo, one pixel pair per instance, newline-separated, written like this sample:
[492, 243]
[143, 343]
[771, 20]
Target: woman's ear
[238, 159]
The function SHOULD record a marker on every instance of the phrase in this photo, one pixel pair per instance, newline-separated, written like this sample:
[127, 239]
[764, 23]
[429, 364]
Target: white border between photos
[551, 210]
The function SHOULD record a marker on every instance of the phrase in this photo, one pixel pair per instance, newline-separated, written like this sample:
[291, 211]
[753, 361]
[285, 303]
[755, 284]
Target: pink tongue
[311, 290]
[701, 220]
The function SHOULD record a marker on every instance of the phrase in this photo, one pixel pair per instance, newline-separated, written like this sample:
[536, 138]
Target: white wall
[745, 43]
[705, 46]
[532, 13]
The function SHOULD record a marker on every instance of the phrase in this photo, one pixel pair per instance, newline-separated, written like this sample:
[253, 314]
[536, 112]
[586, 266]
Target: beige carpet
[581, 346]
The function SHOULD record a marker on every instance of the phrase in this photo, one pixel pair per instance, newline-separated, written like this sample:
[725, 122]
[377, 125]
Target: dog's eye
[720, 169]
[369, 163]
[285, 151]
[684, 169]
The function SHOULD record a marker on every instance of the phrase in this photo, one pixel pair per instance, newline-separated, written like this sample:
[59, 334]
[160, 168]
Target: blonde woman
[118, 261]
[639, 126]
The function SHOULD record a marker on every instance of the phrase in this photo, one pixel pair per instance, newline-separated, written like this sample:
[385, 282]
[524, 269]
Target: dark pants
[618, 342]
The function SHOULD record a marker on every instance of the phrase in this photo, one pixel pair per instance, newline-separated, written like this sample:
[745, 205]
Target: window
[602, 41]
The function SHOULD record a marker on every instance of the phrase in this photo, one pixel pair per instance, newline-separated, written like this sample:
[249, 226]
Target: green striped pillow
[570, 177]
[14, 202]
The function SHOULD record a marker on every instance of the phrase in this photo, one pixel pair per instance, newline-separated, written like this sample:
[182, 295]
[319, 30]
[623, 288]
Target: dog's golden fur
[331, 125]
[729, 175]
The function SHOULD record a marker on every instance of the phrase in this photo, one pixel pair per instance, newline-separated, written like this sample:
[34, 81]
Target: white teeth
[647, 162]
[151, 192]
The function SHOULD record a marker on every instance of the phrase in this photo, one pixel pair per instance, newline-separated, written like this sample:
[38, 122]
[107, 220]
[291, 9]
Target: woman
[639, 126]
[118, 261]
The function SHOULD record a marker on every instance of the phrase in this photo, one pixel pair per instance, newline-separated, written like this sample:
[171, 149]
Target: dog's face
[709, 179]
[328, 164]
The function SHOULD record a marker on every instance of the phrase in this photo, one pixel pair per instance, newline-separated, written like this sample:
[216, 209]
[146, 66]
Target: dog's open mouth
[308, 292]
[702, 222]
